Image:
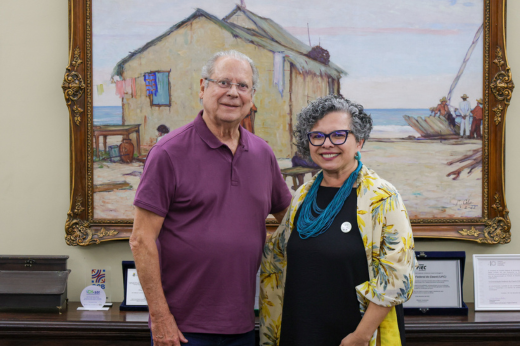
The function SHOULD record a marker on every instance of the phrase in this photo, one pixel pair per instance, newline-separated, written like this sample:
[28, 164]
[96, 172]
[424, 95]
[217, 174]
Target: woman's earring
[358, 156]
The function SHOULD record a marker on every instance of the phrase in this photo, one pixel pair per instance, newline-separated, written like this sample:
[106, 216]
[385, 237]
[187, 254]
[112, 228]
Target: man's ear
[202, 88]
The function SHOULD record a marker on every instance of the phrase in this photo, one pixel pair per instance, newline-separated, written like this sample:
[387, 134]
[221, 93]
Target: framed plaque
[134, 296]
[497, 282]
[438, 284]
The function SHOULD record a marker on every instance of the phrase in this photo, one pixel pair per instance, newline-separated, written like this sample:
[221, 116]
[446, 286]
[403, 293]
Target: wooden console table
[104, 328]
[116, 130]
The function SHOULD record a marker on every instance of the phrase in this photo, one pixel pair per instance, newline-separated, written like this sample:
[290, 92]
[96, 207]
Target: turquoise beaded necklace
[309, 225]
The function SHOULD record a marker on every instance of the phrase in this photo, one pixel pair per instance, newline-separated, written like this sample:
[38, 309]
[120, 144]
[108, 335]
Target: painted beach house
[160, 81]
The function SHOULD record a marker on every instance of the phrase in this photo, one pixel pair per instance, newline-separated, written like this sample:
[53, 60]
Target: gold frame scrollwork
[73, 86]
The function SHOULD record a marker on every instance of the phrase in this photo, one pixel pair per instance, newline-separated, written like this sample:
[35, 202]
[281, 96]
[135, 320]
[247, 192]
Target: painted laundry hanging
[150, 80]
[130, 87]
[278, 71]
[120, 88]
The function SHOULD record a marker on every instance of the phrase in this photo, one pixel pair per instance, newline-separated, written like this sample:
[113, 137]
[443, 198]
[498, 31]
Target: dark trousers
[451, 119]
[475, 128]
[203, 339]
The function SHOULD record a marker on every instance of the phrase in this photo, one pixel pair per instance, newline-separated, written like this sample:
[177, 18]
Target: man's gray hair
[209, 68]
[360, 126]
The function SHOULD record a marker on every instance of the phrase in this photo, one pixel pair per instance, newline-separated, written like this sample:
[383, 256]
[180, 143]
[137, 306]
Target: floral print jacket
[387, 235]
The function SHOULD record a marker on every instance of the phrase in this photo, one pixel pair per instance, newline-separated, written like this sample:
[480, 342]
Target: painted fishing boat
[433, 127]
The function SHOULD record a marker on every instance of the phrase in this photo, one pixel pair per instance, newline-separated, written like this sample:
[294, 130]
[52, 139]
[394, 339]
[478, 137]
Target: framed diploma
[134, 295]
[438, 284]
[497, 282]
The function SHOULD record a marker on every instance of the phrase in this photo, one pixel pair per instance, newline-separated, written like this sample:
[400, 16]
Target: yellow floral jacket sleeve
[387, 236]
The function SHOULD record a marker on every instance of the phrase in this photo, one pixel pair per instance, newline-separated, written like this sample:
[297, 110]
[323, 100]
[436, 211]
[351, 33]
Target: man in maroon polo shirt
[199, 225]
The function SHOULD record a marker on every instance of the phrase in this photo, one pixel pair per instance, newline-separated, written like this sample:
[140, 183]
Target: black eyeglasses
[227, 84]
[318, 138]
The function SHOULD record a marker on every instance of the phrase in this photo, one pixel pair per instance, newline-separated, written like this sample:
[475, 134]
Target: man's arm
[147, 226]
[279, 216]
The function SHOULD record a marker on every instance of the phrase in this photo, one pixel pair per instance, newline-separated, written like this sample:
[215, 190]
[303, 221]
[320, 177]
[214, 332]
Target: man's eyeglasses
[227, 84]
[318, 138]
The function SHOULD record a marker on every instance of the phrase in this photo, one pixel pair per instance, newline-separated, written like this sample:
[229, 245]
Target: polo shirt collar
[212, 141]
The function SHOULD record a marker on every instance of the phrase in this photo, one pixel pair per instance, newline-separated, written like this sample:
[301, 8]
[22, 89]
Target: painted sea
[388, 123]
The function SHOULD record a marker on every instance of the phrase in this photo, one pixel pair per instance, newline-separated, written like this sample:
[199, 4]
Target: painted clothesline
[128, 86]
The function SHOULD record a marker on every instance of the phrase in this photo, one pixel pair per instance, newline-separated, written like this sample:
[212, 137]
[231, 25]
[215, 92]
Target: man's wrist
[161, 313]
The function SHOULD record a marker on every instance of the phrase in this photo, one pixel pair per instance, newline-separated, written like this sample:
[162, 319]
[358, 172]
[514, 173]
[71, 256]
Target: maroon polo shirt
[214, 204]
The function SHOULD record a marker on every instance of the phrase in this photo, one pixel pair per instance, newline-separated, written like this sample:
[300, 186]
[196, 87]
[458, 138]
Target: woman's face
[335, 158]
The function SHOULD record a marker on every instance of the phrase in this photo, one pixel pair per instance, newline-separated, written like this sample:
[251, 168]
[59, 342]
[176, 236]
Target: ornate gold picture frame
[84, 228]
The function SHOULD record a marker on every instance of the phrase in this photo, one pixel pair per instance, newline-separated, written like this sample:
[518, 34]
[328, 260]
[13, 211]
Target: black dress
[320, 302]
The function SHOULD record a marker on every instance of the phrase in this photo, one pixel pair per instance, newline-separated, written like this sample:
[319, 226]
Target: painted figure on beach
[465, 111]
[162, 130]
[443, 109]
[477, 120]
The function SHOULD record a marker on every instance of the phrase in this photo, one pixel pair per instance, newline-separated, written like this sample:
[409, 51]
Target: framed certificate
[438, 284]
[497, 282]
[134, 295]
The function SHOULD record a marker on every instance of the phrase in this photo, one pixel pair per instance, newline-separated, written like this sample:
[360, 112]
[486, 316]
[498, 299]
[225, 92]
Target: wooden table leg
[138, 141]
[300, 179]
[105, 144]
[295, 183]
[96, 144]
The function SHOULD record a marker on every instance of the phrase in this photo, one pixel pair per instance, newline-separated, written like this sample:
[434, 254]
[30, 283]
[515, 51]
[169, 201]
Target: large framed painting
[433, 74]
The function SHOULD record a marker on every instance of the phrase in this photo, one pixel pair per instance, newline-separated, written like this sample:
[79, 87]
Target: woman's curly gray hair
[360, 127]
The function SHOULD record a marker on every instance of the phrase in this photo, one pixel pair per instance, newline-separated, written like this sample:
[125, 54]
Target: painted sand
[417, 168]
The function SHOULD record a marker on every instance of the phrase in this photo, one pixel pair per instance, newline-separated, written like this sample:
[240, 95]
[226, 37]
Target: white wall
[34, 146]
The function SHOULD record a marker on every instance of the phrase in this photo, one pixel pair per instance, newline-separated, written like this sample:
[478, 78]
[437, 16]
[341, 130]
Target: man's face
[223, 105]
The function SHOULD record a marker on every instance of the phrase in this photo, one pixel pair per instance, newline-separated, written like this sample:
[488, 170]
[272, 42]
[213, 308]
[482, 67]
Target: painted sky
[398, 53]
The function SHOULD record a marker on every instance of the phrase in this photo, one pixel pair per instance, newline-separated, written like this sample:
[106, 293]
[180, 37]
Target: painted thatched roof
[266, 36]
[270, 29]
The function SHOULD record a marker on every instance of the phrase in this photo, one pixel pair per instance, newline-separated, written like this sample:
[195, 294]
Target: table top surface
[115, 127]
[299, 170]
[71, 314]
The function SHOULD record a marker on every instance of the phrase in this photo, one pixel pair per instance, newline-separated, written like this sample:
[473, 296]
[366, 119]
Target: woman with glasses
[339, 267]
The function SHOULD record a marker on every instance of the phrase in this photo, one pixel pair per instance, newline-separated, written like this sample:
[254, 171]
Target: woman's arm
[393, 259]
[373, 317]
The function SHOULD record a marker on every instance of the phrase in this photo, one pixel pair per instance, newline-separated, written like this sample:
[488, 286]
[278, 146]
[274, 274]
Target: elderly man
[465, 111]
[199, 224]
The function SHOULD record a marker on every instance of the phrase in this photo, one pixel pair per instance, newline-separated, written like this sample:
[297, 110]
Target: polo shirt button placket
[234, 177]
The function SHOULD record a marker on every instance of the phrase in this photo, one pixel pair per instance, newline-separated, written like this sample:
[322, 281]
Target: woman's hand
[354, 340]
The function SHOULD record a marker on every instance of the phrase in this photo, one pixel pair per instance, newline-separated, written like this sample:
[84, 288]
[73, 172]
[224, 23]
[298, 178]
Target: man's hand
[354, 340]
[166, 333]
